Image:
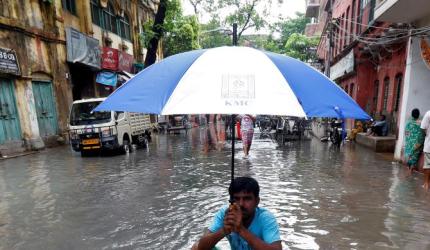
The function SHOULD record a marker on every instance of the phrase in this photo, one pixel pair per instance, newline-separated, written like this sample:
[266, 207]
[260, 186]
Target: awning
[107, 78]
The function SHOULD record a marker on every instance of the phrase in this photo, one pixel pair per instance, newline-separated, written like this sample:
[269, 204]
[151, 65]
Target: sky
[287, 9]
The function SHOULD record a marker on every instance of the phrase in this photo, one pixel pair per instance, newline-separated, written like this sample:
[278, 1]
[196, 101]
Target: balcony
[401, 11]
[312, 8]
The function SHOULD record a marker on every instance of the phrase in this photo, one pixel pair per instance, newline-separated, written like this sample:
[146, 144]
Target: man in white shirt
[425, 126]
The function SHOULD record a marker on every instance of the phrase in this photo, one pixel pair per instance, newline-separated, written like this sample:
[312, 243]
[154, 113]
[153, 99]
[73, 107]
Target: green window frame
[124, 27]
[96, 12]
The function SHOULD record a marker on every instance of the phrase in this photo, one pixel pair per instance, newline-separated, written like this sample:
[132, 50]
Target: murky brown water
[164, 197]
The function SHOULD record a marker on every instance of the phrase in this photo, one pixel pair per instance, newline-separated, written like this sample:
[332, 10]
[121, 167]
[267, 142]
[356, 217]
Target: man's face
[247, 203]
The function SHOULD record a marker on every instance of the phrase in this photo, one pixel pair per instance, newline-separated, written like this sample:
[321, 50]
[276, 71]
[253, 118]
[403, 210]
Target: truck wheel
[125, 148]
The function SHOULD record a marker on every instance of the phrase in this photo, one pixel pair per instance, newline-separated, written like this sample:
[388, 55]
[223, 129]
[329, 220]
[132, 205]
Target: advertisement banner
[110, 58]
[82, 49]
[9, 62]
[125, 62]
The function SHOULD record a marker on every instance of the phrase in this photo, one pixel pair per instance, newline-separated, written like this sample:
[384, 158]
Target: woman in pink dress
[247, 131]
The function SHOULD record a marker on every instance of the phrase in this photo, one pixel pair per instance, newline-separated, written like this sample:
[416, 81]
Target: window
[109, 19]
[348, 32]
[351, 90]
[124, 27]
[70, 6]
[386, 89]
[96, 12]
[399, 80]
[375, 94]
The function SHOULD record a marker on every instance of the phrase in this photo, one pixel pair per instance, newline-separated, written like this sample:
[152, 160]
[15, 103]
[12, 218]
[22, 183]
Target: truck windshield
[81, 114]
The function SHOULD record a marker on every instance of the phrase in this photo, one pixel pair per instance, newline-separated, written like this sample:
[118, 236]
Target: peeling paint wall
[32, 30]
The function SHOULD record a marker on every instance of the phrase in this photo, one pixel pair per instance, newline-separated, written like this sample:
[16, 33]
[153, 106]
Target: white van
[107, 130]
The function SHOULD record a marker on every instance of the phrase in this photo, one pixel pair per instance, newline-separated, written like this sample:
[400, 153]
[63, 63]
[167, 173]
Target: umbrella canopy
[233, 80]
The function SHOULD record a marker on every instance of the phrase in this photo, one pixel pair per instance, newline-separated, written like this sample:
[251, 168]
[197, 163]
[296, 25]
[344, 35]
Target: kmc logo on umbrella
[238, 90]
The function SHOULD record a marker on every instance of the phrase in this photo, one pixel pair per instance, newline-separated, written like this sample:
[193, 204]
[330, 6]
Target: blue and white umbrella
[233, 80]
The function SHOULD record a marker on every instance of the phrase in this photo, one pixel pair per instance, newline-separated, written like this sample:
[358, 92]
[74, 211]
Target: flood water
[164, 197]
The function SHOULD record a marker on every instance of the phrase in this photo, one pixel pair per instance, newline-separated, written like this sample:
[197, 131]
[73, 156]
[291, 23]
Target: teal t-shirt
[264, 226]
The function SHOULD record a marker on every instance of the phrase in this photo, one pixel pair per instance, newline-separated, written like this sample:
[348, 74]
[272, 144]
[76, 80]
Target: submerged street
[164, 197]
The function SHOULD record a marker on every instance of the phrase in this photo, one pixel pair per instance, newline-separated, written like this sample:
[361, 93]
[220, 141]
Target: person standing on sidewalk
[414, 138]
[425, 126]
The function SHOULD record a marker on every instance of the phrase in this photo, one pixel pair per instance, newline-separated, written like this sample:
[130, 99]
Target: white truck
[108, 130]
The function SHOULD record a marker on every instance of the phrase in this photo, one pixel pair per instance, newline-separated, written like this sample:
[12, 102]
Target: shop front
[84, 57]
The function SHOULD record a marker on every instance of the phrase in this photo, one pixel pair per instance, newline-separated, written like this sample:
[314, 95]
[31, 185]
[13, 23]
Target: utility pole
[234, 34]
[330, 39]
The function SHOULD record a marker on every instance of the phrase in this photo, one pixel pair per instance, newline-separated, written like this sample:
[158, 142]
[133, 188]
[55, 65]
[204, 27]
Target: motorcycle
[335, 132]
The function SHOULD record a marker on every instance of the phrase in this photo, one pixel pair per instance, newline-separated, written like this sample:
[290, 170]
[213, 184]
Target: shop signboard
[125, 62]
[110, 59]
[9, 62]
[343, 67]
[82, 49]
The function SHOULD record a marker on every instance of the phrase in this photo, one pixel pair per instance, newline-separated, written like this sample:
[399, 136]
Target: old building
[377, 55]
[52, 52]
[416, 88]
[365, 57]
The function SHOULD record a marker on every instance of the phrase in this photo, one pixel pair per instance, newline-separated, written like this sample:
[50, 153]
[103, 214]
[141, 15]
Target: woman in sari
[414, 140]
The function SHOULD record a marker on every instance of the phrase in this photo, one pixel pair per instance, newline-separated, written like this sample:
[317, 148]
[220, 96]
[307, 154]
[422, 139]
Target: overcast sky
[287, 9]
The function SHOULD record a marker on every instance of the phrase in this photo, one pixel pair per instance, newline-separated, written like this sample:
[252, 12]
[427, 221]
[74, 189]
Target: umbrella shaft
[233, 119]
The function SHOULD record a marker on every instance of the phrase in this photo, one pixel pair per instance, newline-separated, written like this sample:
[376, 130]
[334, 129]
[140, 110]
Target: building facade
[53, 52]
[416, 87]
[362, 56]
[376, 51]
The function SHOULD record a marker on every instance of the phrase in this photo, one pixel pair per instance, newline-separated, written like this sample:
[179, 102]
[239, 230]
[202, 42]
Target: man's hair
[416, 113]
[246, 184]
[383, 117]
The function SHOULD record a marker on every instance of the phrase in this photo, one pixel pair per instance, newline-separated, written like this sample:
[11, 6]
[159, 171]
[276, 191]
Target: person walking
[414, 138]
[425, 126]
[247, 132]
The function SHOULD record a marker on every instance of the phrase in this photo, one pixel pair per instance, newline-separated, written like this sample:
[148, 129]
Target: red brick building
[367, 59]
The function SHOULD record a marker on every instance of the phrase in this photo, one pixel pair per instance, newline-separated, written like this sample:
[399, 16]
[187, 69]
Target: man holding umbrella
[245, 225]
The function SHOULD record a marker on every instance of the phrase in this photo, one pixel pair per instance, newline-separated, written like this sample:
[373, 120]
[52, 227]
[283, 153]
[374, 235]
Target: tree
[290, 26]
[245, 14]
[212, 36]
[152, 37]
[179, 33]
[301, 47]
[285, 28]
[183, 35]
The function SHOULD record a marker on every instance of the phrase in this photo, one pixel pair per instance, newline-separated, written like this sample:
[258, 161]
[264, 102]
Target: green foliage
[211, 36]
[183, 36]
[179, 33]
[301, 47]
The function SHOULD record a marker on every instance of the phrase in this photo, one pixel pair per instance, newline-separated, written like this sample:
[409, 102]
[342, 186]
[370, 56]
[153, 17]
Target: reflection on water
[165, 197]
